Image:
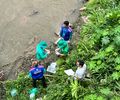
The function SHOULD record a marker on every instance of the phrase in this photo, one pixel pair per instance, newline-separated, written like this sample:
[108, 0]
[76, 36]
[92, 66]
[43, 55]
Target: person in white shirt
[81, 70]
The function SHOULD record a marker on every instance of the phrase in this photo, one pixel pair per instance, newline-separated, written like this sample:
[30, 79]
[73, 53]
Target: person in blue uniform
[37, 73]
[65, 32]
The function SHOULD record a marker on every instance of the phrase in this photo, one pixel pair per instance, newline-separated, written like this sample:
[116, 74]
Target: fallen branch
[49, 75]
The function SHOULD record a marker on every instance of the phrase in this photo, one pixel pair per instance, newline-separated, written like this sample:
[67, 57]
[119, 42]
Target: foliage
[23, 85]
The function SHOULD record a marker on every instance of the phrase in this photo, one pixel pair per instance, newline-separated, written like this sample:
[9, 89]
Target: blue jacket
[37, 72]
[66, 33]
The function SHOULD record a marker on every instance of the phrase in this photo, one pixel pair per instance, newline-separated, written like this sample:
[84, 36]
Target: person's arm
[58, 53]
[44, 70]
[61, 32]
[30, 74]
[44, 55]
[71, 33]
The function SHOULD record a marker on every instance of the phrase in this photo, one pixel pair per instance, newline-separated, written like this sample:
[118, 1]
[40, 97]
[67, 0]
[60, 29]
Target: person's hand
[69, 42]
[48, 51]
[59, 36]
[57, 53]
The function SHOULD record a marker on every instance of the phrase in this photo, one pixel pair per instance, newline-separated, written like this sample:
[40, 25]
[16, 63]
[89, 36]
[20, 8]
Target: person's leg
[58, 40]
[34, 83]
[57, 51]
[43, 82]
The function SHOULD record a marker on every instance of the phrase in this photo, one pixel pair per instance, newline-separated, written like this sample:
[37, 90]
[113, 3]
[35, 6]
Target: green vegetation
[99, 46]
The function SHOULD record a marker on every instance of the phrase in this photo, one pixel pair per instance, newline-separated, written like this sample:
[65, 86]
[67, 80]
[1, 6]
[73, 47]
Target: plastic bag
[52, 68]
[13, 92]
[69, 72]
[32, 93]
[32, 96]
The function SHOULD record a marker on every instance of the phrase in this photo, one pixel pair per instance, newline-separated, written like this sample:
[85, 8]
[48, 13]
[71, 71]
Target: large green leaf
[105, 91]
[90, 97]
[117, 60]
[117, 41]
[99, 55]
[116, 75]
[92, 65]
[105, 40]
[117, 67]
[104, 33]
[109, 49]
[100, 98]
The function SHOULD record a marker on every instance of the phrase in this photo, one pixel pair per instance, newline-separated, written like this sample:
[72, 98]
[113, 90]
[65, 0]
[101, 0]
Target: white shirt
[80, 72]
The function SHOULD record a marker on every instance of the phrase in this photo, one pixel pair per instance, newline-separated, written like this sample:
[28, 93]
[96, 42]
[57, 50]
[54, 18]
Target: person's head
[80, 63]
[66, 23]
[35, 63]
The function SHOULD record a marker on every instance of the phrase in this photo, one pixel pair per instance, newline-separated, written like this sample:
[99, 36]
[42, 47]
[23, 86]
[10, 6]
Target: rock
[1, 75]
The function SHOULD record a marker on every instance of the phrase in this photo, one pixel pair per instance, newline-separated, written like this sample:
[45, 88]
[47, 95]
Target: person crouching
[63, 48]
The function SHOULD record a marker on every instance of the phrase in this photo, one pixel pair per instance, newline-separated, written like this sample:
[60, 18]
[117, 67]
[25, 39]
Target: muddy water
[22, 20]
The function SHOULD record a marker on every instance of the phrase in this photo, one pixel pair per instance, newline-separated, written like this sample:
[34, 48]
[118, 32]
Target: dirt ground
[23, 23]
[23, 20]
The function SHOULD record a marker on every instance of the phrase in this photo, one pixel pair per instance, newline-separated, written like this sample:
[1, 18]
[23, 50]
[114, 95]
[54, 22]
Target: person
[37, 73]
[63, 48]
[81, 70]
[41, 51]
[65, 32]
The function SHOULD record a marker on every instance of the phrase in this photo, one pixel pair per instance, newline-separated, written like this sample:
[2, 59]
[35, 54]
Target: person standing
[65, 32]
[37, 73]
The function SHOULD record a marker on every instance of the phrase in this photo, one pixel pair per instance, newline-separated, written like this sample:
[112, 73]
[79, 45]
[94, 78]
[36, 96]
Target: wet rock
[34, 12]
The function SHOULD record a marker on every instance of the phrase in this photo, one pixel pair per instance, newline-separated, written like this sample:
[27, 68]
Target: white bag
[52, 68]
[32, 96]
[69, 72]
